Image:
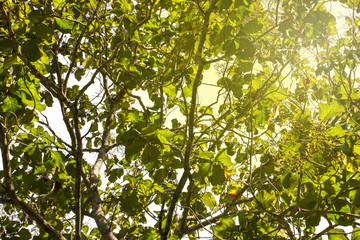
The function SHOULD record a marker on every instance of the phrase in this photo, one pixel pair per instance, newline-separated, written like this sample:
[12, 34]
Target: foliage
[271, 155]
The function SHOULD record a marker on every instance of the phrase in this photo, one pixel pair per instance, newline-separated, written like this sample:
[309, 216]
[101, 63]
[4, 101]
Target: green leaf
[237, 91]
[337, 234]
[170, 90]
[150, 156]
[246, 49]
[6, 45]
[356, 201]
[265, 198]
[218, 175]
[165, 136]
[53, 159]
[10, 104]
[79, 73]
[276, 94]
[206, 155]
[202, 172]
[129, 204]
[330, 110]
[30, 94]
[221, 229]
[289, 180]
[64, 25]
[209, 200]
[356, 234]
[223, 158]
[225, 33]
[24, 234]
[285, 25]
[225, 4]
[42, 31]
[31, 50]
[253, 26]
[115, 174]
[227, 221]
[261, 116]
[337, 130]
[39, 169]
[59, 3]
[89, 61]
[47, 97]
[149, 234]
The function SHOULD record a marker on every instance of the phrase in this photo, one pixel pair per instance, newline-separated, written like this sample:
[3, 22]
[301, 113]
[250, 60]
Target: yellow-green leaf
[330, 110]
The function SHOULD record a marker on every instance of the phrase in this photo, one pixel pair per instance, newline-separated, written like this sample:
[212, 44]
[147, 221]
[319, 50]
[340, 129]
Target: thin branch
[189, 144]
[11, 192]
[45, 81]
[77, 45]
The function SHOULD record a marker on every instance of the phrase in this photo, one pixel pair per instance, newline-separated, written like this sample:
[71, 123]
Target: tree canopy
[105, 134]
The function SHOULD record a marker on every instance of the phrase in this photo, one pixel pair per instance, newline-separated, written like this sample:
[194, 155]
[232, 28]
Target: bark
[97, 208]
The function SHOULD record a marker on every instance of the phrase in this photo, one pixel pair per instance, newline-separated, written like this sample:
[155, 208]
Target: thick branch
[78, 158]
[97, 208]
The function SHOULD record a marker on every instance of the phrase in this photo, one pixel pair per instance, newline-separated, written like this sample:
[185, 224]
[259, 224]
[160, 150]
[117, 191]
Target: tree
[264, 160]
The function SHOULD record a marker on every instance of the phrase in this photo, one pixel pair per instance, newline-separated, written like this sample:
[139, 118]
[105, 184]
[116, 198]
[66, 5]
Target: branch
[77, 46]
[79, 159]
[97, 208]
[323, 232]
[190, 140]
[186, 206]
[214, 219]
[235, 201]
[330, 212]
[10, 189]
[45, 81]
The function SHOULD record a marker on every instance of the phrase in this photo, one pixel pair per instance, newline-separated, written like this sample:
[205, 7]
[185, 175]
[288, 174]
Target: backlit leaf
[223, 158]
[337, 234]
[59, 3]
[64, 25]
[330, 110]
